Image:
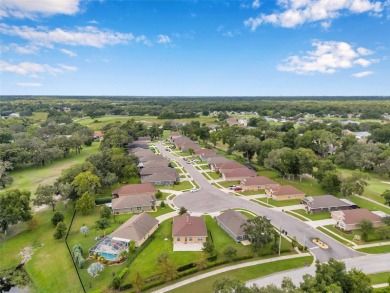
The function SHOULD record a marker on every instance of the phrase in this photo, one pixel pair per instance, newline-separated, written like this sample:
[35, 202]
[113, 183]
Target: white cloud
[362, 74]
[163, 39]
[81, 36]
[298, 12]
[256, 4]
[68, 52]
[29, 68]
[28, 49]
[327, 57]
[29, 84]
[364, 51]
[34, 8]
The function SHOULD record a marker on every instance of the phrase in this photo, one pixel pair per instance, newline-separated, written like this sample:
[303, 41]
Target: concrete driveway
[210, 199]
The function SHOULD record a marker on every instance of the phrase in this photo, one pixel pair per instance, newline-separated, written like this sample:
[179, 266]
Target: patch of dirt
[26, 253]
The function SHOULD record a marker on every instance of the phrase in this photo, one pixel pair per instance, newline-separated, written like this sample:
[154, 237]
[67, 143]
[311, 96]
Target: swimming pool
[108, 256]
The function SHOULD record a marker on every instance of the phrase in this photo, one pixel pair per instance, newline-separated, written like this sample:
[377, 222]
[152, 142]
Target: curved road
[211, 199]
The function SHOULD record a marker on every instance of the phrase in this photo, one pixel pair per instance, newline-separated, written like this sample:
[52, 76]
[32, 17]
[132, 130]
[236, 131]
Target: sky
[195, 48]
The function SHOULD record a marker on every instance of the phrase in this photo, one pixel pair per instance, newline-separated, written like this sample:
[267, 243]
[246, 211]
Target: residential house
[189, 229]
[156, 169]
[324, 203]
[185, 147]
[204, 154]
[133, 203]
[138, 228]
[98, 135]
[232, 222]
[174, 136]
[361, 135]
[284, 192]
[132, 189]
[236, 174]
[217, 159]
[349, 220]
[150, 158]
[232, 121]
[226, 165]
[161, 178]
[257, 183]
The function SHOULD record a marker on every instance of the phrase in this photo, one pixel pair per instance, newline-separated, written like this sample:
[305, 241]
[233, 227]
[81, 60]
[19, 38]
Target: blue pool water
[108, 256]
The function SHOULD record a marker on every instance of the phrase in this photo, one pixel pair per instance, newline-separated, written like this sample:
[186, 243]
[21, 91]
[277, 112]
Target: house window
[189, 238]
[200, 238]
[177, 238]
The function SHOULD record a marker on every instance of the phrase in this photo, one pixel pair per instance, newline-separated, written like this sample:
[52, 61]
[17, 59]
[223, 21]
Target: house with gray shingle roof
[138, 228]
[232, 222]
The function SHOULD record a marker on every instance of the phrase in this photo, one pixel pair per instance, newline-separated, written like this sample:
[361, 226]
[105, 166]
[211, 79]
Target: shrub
[162, 204]
[33, 223]
[103, 200]
[60, 230]
[57, 217]
[81, 263]
[105, 212]
[159, 194]
[95, 269]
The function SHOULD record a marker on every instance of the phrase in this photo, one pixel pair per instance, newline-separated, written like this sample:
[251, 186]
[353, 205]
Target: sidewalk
[227, 269]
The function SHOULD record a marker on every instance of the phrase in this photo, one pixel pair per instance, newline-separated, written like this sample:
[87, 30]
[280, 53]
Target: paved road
[369, 264]
[210, 199]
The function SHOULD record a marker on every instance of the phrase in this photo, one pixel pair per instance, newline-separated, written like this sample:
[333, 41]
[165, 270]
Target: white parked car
[193, 189]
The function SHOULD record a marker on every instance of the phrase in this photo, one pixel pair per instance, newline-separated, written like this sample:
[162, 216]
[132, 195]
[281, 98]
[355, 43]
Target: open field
[245, 274]
[361, 202]
[31, 177]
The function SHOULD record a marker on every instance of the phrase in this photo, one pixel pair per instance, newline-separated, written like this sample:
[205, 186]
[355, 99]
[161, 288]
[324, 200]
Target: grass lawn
[214, 175]
[281, 203]
[204, 167]
[333, 236]
[372, 237]
[375, 186]
[314, 217]
[174, 164]
[181, 186]
[226, 184]
[50, 267]
[161, 211]
[296, 216]
[380, 278]
[166, 134]
[376, 249]
[245, 274]
[361, 202]
[29, 178]
[251, 192]
[248, 214]
[39, 116]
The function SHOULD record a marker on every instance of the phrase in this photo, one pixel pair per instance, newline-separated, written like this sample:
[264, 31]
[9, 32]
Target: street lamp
[304, 236]
[280, 239]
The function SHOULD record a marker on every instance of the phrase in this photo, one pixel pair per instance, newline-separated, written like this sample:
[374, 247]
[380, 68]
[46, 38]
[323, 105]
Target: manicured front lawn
[380, 278]
[181, 186]
[333, 236]
[363, 203]
[226, 184]
[372, 237]
[213, 175]
[251, 192]
[296, 216]
[161, 211]
[50, 267]
[281, 203]
[204, 167]
[245, 274]
[29, 178]
[376, 249]
[314, 217]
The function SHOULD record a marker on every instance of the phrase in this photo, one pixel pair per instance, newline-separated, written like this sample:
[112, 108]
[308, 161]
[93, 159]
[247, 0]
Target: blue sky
[224, 48]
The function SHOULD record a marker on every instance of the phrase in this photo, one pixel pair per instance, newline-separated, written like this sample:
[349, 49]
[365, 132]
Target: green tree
[105, 212]
[331, 182]
[229, 285]
[247, 144]
[215, 137]
[267, 146]
[162, 204]
[14, 207]
[34, 222]
[322, 167]
[84, 230]
[138, 282]
[306, 160]
[201, 262]
[367, 227]
[167, 267]
[182, 211]
[86, 182]
[354, 184]
[130, 171]
[85, 204]
[60, 231]
[159, 194]
[260, 232]
[386, 196]
[5, 167]
[208, 247]
[191, 151]
[131, 246]
[45, 195]
[102, 224]
[57, 217]
[230, 253]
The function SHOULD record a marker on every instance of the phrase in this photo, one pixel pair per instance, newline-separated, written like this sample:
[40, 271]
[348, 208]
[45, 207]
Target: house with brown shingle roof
[132, 189]
[98, 135]
[226, 165]
[138, 228]
[204, 154]
[161, 178]
[217, 159]
[232, 222]
[284, 192]
[257, 183]
[156, 170]
[189, 229]
[237, 174]
[349, 220]
[133, 203]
